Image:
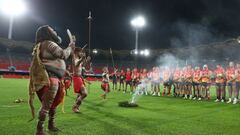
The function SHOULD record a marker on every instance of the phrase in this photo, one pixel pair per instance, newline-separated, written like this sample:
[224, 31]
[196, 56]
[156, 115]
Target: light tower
[12, 8]
[137, 23]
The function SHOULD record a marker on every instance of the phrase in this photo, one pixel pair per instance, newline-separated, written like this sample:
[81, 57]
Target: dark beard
[57, 39]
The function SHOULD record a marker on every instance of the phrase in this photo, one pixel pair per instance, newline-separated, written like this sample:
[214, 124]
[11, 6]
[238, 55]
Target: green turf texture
[154, 116]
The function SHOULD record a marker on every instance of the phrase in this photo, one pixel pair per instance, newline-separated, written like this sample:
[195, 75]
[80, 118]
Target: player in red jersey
[105, 83]
[205, 79]
[135, 79]
[176, 81]
[156, 81]
[144, 76]
[150, 76]
[114, 76]
[236, 92]
[121, 80]
[166, 81]
[220, 83]
[231, 80]
[128, 80]
[188, 80]
[144, 73]
[182, 81]
[196, 83]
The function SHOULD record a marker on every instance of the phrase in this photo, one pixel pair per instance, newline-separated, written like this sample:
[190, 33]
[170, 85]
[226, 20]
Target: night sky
[170, 23]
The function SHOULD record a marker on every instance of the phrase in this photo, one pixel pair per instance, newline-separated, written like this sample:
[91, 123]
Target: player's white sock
[235, 101]
[159, 94]
[230, 100]
[190, 97]
[217, 100]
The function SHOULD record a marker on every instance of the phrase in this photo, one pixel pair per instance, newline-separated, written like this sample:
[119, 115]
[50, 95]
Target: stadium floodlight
[136, 52]
[95, 51]
[142, 52]
[238, 39]
[12, 8]
[146, 52]
[138, 23]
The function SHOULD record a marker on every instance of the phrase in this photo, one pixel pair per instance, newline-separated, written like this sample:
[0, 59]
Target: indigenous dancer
[105, 83]
[80, 61]
[114, 78]
[205, 79]
[121, 80]
[128, 80]
[188, 80]
[220, 83]
[156, 81]
[196, 83]
[166, 81]
[67, 79]
[231, 80]
[236, 93]
[176, 81]
[46, 71]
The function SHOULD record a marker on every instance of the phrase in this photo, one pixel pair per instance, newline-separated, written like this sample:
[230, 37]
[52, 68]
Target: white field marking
[10, 106]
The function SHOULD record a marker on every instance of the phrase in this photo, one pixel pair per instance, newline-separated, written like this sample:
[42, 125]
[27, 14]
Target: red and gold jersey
[230, 73]
[188, 73]
[177, 74]
[182, 76]
[205, 75]
[237, 73]
[197, 76]
[135, 75]
[219, 72]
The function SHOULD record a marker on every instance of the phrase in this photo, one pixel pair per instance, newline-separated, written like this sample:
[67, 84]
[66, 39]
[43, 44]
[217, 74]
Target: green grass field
[154, 116]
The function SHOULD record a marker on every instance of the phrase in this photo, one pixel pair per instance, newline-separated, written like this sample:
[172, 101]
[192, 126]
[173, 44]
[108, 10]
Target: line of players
[184, 82]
